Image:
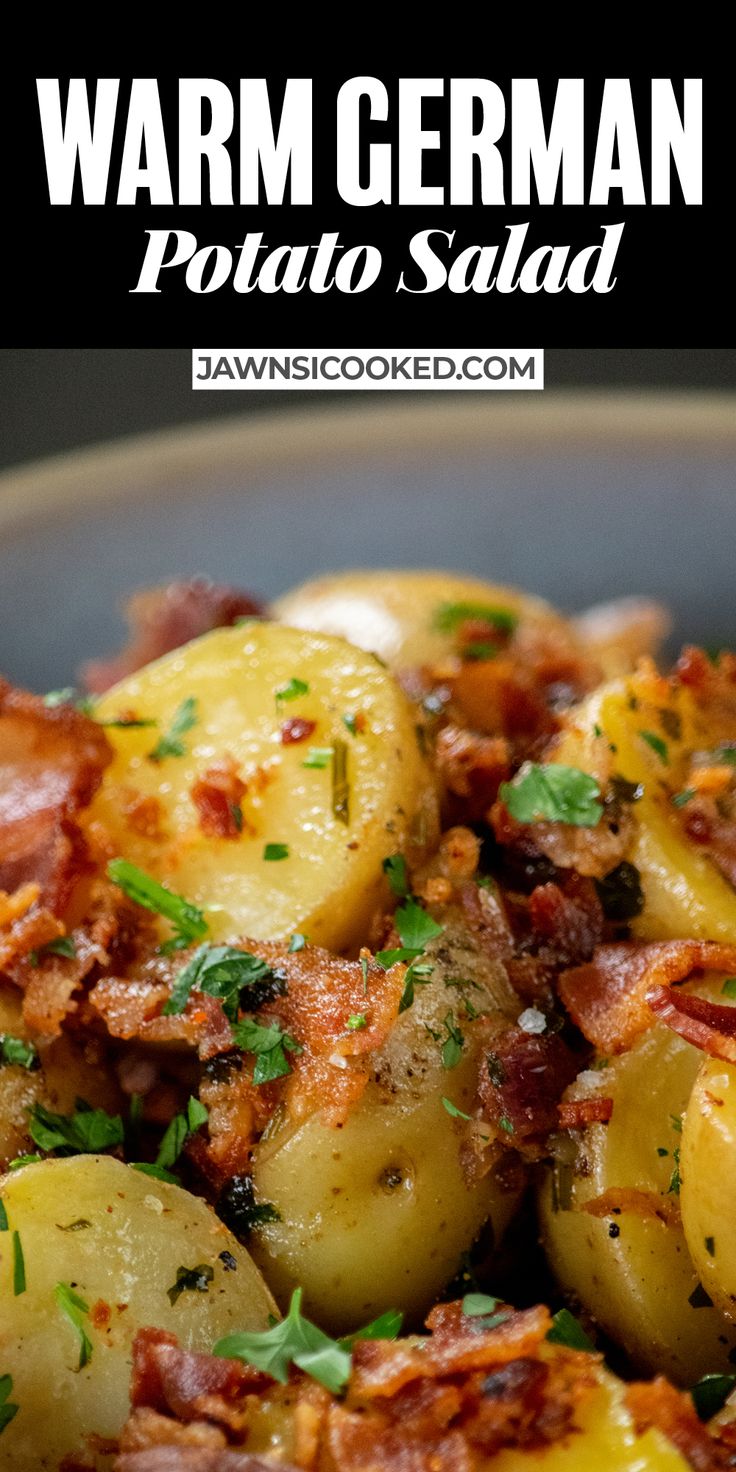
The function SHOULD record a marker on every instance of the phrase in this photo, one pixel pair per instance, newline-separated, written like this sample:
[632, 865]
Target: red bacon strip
[521, 1082]
[574, 1114]
[706, 1025]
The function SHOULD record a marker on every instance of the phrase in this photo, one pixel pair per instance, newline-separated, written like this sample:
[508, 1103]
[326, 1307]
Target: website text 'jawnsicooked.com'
[368, 368]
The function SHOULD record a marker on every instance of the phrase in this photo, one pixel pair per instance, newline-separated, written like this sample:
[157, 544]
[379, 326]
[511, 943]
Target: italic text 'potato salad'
[368, 1040]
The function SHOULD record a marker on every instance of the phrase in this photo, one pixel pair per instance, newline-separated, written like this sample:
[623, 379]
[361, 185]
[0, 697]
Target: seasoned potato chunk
[708, 1195]
[378, 1213]
[630, 1266]
[646, 730]
[402, 615]
[295, 769]
[93, 1232]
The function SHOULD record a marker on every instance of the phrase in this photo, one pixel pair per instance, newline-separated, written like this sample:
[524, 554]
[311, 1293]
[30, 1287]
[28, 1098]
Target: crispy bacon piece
[575, 1114]
[296, 729]
[190, 1386]
[607, 998]
[51, 764]
[714, 834]
[672, 1412]
[161, 619]
[566, 920]
[521, 1082]
[706, 1025]
[501, 697]
[472, 768]
[179, 1457]
[618, 1200]
[217, 795]
[591, 852]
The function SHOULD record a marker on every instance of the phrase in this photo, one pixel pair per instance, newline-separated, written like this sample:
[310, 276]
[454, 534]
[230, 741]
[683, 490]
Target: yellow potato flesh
[393, 613]
[330, 882]
[118, 1237]
[637, 1284]
[708, 1195]
[377, 1214]
[68, 1071]
[686, 897]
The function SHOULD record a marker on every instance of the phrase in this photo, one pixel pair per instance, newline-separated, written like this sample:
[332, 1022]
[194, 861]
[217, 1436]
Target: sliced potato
[308, 856]
[708, 1195]
[398, 614]
[378, 1213]
[68, 1071]
[637, 1283]
[117, 1238]
[685, 894]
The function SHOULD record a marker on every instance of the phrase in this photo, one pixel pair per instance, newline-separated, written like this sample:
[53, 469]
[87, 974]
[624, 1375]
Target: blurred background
[54, 399]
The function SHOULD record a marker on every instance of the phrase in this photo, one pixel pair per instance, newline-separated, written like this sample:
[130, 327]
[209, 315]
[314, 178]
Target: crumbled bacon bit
[673, 1413]
[619, 1200]
[575, 1114]
[707, 1025]
[567, 920]
[607, 998]
[472, 768]
[217, 796]
[521, 1082]
[144, 815]
[296, 729]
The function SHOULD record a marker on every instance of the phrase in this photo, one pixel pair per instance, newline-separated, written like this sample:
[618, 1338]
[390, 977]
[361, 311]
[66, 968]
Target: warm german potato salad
[368, 1040]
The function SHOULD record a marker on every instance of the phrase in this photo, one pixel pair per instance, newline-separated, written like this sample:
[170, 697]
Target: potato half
[307, 848]
[708, 1195]
[640, 1284]
[398, 614]
[116, 1238]
[377, 1214]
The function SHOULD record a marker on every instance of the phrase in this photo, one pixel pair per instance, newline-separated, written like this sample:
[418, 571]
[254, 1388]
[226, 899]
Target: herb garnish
[297, 942]
[453, 1110]
[224, 972]
[273, 852]
[269, 1045]
[729, 987]
[340, 784]
[18, 1163]
[290, 691]
[553, 793]
[452, 1048]
[356, 1021]
[62, 945]
[170, 744]
[416, 928]
[318, 757]
[187, 919]
[449, 616]
[177, 1134]
[299, 1342]
[7, 1407]
[75, 1310]
[350, 722]
[86, 1132]
[196, 1280]
[711, 1393]
[679, 799]
[567, 1330]
[238, 1209]
[3, 1217]
[394, 867]
[675, 1181]
[657, 744]
[475, 1305]
[17, 1051]
[19, 1266]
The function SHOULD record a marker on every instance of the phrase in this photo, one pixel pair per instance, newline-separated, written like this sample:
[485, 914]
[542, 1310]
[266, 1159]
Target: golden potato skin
[686, 897]
[330, 883]
[708, 1194]
[636, 1284]
[393, 612]
[68, 1071]
[377, 1214]
[138, 1232]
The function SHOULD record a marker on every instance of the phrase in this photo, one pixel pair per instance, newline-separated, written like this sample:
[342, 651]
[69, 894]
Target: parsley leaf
[452, 1048]
[477, 1304]
[679, 799]
[293, 1341]
[394, 867]
[75, 1310]
[291, 691]
[657, 744]
[187, 919]
[729, 987]
[551, 792]
[19, 1266]
[273, 852]
[297, 942]
[269, 1045]
[220, 971]
[356, 1021]
[170, 744]
[7, 1408]
[567, 1330]
[196, 1280]
[350, 722]
[449, 616]
[318, 757]
[177, 1134]
[17, 1051]
[386, 1326]
[675, 1180]
[710, 1394]
[415, 926]
[86, 1132]
[453, 1110]
[3, 1216]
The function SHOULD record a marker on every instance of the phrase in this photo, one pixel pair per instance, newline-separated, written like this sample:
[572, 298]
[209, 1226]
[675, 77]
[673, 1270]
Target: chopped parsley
[290, 691]
[676, 1122]
[87, 1131]
[449, 616]
[726, 753]
[453, 1110]
[195, 1280]
[176, 1135]
[553, 793]
[729, 987]
[297, 942]
[711, 1393]
[171, 744]
[318, 757]
[507, 1125]
[386, 1326]
[270, 1045]
[54, 698]
[20, 1161]
[273, 852]
[679, 799]
[567, 1330]
[675, 1182]
[238, 1209]
[475, 1305]
[62, 945]
[340, 784]
[350, 722]
[224, 972]
[658, 744]
[3, 1217]
[356, 1021]
[416, 928]
[293, 1341]
[452, 1048]
[479, 649]
[699, 1298]
[17, 1051]
[75, 1309]
[187, 919]
[394, 867]
[128, 723]
[8, 1409]
[19, 1266]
